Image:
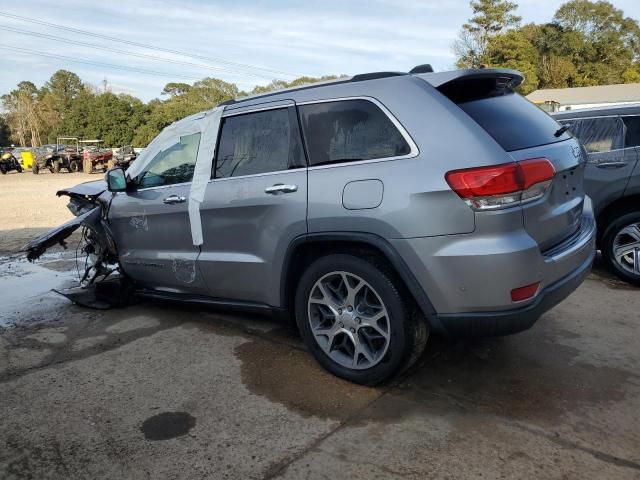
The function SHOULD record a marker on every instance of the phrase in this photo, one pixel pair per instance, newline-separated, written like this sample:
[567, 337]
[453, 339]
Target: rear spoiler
[503, 77]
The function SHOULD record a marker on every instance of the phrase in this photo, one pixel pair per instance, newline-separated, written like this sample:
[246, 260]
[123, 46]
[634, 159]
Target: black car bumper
[483, 324]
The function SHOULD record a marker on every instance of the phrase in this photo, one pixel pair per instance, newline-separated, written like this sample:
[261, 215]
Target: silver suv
[611, 136]
[373, 209]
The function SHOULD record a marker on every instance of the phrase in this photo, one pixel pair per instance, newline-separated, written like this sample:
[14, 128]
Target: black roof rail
[424, 68]
[361, 77]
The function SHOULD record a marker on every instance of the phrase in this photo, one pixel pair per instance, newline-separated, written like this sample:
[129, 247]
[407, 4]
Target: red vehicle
[94, 157]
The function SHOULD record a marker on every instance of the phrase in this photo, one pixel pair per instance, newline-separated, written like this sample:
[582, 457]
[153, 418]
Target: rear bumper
[513, 321]
[468, 278]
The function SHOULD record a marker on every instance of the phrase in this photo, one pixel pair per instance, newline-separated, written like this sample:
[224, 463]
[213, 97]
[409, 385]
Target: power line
[143, 45]
[99, 64]
[134, 54]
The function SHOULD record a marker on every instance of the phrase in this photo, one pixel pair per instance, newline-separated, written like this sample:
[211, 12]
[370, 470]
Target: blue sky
[312, 38]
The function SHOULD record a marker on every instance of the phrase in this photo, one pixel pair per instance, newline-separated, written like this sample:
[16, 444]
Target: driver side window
[173, 165]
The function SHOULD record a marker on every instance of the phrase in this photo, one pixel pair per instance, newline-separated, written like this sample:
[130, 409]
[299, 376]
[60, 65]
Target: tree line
[65, 106]
[586, 43]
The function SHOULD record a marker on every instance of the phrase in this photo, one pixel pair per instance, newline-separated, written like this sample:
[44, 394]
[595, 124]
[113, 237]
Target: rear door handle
[611, 164]
[281, 188]
[174, 199]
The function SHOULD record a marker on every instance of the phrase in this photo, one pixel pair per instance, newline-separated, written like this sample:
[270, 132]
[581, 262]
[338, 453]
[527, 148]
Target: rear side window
[513, 121]
[348, 131]
[260, 142]
[598, 135]
[632, 137]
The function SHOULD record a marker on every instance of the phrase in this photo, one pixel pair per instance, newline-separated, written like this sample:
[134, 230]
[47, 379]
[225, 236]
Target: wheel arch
[306, 248]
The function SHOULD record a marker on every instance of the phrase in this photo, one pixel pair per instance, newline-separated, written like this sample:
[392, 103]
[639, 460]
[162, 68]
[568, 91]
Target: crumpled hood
[89, 190]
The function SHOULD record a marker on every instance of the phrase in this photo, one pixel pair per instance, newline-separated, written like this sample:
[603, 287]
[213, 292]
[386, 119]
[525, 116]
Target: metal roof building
[560, 99]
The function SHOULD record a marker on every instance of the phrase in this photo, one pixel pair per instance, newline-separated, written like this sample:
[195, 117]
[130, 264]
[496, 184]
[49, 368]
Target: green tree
[5, 132]
[490, 18]
[514, 50]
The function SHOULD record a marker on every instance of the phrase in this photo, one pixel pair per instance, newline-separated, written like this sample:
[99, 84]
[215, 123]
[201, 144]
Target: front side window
[349, 130]
[259, 142]
[173, 165]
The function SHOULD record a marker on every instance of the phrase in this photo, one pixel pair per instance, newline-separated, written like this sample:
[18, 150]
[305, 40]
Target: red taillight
[524, 293]
[502, 185]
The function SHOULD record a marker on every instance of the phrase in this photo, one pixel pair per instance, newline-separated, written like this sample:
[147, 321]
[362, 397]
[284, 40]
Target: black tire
[408, 331]
[19, 168]
[35, 168]
[74, 166]
[3, 169]
[87, 166]
[56, 166]
[608, 238]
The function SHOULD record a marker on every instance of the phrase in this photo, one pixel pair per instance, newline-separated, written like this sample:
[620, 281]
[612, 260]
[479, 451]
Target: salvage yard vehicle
[94, 157]
[372, 209]
[611, 137]
[8, 162]
[56, 157]
[124, 156]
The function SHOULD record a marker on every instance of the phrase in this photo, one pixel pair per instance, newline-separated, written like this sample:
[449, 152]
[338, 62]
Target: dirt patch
[29, 206]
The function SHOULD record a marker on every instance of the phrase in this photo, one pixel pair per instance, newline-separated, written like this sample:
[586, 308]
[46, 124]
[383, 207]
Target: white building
[560, 99]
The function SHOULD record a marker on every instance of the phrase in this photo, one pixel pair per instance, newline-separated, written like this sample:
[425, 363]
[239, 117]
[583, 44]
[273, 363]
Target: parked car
[95, 158]
[373, 209]
[611, 137]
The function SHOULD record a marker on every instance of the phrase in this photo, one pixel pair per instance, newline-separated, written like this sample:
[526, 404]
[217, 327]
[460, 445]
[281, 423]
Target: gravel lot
[29, 206]
[161, 390]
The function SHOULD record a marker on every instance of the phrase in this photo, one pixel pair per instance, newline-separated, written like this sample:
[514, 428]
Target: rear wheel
[87, 166]
[56, 166]
[356, 319]
[19, 168]
[3, 169]
[74, 166]
[621, 247]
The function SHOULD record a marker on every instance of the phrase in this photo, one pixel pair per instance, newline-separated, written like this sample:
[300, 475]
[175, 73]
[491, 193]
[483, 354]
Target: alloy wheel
[626, 248]
[348, 320]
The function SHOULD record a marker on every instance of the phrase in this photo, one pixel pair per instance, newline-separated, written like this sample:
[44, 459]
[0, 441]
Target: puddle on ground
[293, 378]
[167, 425]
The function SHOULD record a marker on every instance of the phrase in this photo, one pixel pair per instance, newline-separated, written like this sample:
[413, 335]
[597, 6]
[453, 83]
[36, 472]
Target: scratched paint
[184, 270]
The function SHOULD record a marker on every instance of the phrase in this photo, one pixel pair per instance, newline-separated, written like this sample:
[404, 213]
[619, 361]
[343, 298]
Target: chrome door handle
[174, 199]
[611, 165]
[281, 188]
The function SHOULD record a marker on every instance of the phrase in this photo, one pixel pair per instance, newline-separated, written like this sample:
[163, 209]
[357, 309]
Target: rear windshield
[513, 121]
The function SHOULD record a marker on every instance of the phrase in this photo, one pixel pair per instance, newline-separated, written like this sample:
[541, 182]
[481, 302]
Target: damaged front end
[89, 202]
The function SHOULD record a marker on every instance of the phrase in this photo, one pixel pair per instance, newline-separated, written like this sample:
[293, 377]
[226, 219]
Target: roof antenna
[424, 68]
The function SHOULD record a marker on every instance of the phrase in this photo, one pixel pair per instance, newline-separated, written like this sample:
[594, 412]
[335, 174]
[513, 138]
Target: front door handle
[611, 165]
[174, 199]
[281, 188]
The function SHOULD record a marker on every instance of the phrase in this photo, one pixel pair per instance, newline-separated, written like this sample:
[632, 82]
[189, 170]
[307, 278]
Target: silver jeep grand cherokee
[374, 209]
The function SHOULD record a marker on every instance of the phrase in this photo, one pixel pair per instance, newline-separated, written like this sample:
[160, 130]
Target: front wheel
[56, 166]
[19, 168]
[3, 169]
[621, 247]
[356, 319]
[74, 166]
[35, 168]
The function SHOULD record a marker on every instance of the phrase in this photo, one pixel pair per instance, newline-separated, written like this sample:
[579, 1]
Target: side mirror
[116, 181]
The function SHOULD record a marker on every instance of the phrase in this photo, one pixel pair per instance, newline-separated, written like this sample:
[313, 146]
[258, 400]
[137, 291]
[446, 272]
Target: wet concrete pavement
[161, 390]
